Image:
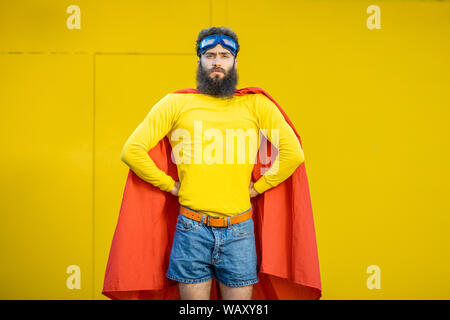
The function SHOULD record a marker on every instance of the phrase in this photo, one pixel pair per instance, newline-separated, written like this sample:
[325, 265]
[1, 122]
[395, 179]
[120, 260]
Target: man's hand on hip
[175, 189]
[252, 191]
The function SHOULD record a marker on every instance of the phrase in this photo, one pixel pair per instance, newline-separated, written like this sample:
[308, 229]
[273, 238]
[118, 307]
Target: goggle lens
[229, 43]
[212, 40]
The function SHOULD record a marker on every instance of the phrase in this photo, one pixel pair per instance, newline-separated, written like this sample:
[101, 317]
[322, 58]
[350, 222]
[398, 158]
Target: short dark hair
[216, 30]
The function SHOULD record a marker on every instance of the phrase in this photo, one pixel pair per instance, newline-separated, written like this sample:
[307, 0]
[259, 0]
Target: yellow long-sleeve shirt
[201, 130]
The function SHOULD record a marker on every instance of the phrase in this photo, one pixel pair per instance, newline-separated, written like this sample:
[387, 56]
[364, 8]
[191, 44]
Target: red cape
[284, 234]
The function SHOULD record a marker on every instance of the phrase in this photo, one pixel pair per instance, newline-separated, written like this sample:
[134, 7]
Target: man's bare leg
[195, 291]
[236, 293]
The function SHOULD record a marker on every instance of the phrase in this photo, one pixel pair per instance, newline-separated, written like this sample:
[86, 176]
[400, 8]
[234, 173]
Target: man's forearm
[144, 167]
[280, 170]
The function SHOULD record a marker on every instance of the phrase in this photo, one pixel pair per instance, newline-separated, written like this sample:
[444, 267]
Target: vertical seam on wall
[210, 12]
[93, 179]
[226, 12]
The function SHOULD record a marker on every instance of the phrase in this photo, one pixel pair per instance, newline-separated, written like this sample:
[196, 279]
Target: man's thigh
[202, 291]
[195, 291]
[190, 257]
[236, 293]
[235, 265]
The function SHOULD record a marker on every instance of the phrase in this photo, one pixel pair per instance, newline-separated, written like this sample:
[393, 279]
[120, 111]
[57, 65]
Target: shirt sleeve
[290, 154]
[156, 125]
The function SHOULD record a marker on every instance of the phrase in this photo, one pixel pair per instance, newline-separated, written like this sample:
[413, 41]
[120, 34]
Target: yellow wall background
[372, 108]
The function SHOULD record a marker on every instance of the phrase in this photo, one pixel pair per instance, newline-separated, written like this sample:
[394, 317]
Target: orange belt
[216, 221]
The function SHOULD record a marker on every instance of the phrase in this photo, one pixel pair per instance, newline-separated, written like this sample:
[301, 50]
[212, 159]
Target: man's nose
[217, 62]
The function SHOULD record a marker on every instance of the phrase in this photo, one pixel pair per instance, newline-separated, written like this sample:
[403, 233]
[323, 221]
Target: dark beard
[222, 88]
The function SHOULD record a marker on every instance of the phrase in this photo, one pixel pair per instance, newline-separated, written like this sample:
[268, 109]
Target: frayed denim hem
[239, 284]
[189, 280]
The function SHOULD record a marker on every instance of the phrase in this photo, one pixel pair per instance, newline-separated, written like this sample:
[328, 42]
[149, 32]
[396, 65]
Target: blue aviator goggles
[214, 39]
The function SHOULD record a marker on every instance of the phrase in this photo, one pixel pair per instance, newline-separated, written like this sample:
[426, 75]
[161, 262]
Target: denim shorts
[201, 252]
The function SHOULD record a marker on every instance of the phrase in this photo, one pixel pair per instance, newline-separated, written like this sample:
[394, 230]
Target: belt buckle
[208, 221]
[208, 218]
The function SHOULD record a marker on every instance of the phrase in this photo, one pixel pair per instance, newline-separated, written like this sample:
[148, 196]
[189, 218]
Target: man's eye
[224, 55]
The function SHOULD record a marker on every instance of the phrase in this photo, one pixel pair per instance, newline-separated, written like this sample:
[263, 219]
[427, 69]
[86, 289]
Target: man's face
[216, 73]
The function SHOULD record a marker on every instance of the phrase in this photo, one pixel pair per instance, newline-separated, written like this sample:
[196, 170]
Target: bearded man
[214, 236]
